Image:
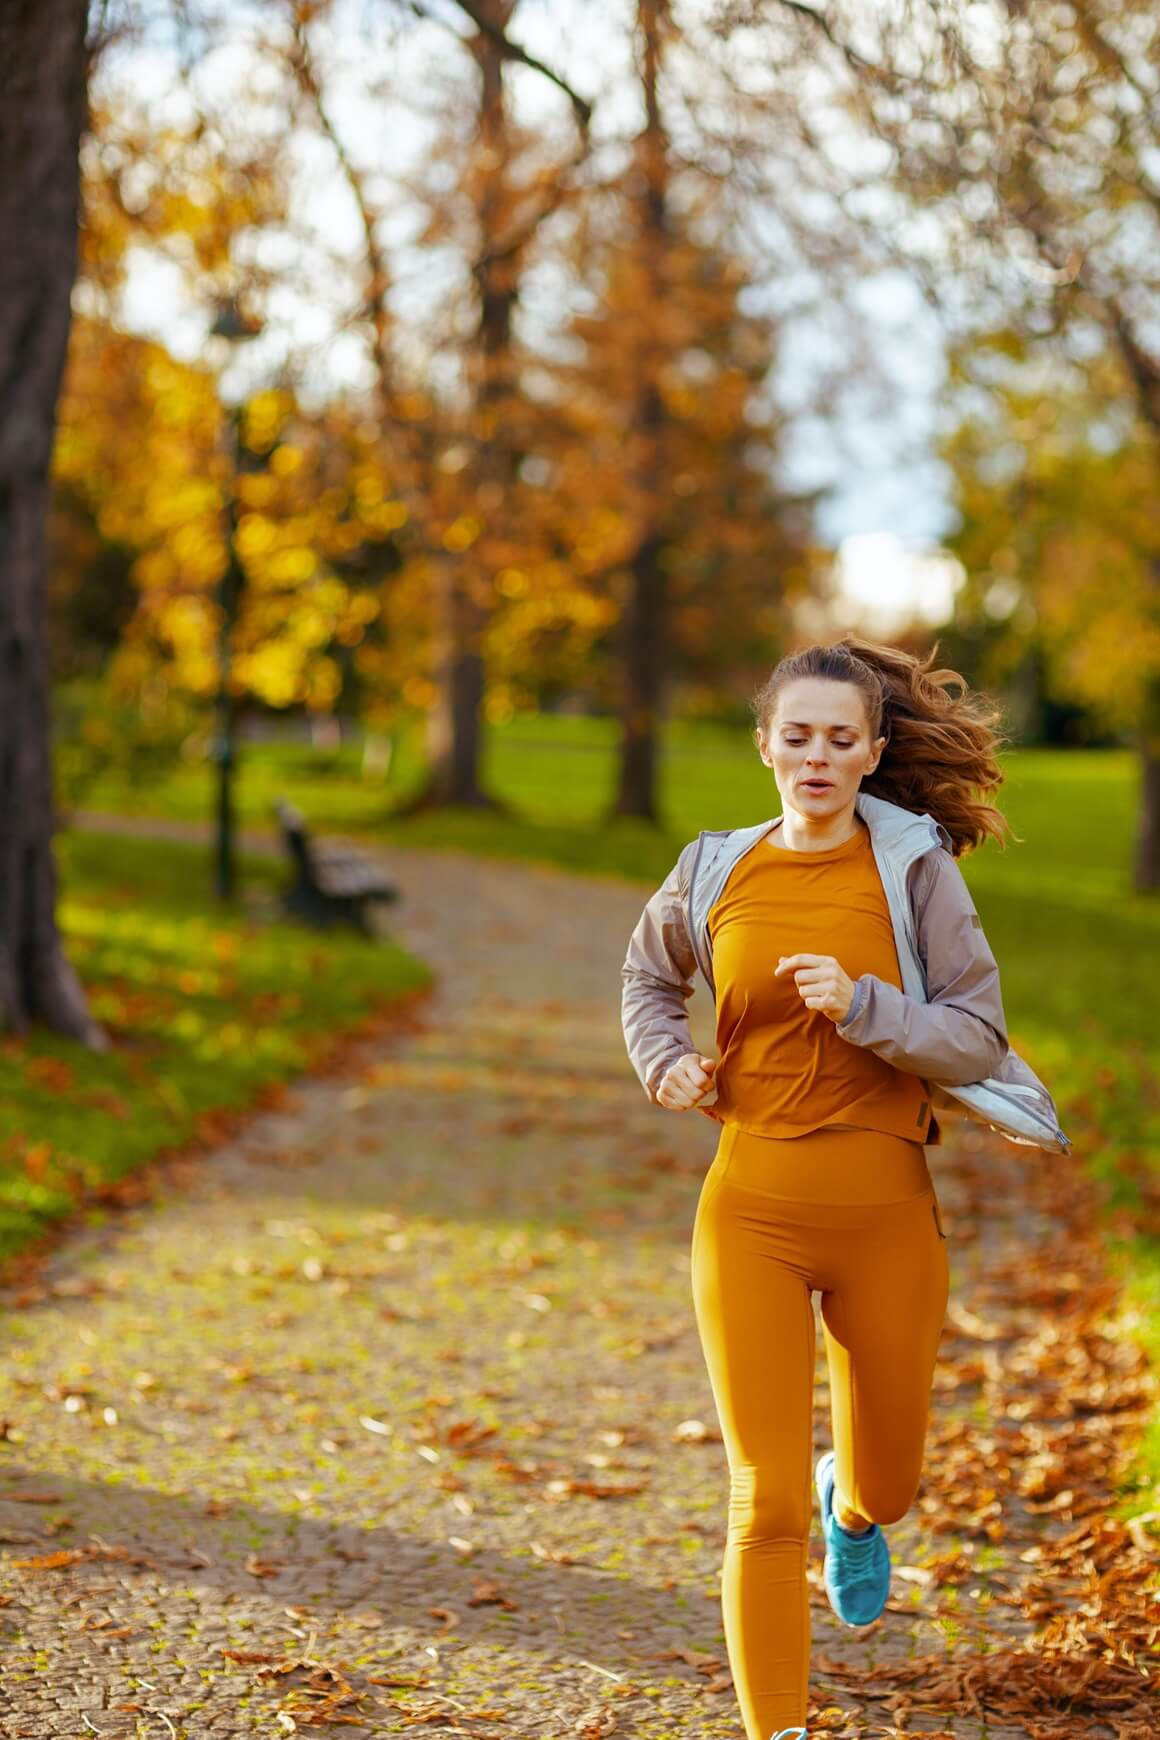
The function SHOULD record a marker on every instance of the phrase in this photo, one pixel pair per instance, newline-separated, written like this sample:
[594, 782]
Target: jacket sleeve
[657, 982]
[960, 1034]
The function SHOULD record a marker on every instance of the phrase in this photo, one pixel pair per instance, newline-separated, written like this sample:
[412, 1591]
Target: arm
[657, 975]
[960, 1034]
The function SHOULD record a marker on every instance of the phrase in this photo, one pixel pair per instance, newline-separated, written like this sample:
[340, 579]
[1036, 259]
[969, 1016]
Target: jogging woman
[854, 989]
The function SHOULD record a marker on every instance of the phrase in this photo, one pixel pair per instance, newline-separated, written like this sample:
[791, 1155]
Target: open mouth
[817, 784]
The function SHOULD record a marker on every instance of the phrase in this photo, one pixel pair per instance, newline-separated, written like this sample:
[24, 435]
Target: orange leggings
[852, 1213]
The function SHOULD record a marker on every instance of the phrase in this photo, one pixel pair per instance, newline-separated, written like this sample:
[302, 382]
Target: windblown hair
[941, 751]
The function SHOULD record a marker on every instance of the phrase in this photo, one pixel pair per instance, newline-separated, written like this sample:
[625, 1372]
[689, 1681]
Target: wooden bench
[335, 883]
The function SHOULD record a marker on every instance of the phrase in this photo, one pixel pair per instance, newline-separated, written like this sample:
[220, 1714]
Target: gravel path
[391, 1414]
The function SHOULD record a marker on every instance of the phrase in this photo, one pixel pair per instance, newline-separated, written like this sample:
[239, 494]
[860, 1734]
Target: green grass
[206, 1009]
[1076, 945]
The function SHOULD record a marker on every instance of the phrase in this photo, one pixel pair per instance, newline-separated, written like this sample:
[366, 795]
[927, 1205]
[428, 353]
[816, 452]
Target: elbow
[996, 1049]
[977, 1060]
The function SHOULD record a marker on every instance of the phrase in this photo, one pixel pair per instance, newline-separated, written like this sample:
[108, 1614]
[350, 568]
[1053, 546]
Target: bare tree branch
[581, 108]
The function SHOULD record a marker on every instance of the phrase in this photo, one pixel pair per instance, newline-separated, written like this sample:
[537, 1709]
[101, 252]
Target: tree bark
[454, 744]
[43, 69]
[1142, 366]
[456, 728]
[643, 626]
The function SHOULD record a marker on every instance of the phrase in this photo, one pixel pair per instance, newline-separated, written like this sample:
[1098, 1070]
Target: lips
[817, 784]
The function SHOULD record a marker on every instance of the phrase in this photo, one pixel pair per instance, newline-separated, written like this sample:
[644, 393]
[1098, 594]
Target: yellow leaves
[462, 533]
[286, 459]
[255, 490]
[272, 671]
[498, 707]
[420, 692]
[368, 486]
[264, 417]
[292, 566]
[384, 517]
[323, 684]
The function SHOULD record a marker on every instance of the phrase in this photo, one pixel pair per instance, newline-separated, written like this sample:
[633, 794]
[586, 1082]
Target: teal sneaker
[790, 1734]
[856, 1573]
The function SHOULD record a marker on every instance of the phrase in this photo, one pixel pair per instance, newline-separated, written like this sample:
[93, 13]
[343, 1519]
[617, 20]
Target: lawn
[207, 1012]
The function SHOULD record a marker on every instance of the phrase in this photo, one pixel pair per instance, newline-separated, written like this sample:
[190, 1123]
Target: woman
[854, 992]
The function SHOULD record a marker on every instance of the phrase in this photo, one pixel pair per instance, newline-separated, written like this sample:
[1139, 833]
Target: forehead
[821, 701]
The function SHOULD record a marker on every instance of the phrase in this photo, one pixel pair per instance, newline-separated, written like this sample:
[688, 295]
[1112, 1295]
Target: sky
[886, 501]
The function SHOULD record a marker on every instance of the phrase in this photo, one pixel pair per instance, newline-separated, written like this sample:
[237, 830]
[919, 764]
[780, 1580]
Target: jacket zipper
[689, 925]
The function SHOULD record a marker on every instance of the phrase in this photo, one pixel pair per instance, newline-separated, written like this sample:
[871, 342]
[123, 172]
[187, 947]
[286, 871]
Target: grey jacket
[946, 1024]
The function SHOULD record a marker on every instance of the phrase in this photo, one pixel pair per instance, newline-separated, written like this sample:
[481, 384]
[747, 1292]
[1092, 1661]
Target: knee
[886, 1501]
[764, 1508]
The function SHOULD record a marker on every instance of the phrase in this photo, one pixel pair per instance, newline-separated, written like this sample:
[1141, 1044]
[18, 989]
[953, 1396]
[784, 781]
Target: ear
[876, 748]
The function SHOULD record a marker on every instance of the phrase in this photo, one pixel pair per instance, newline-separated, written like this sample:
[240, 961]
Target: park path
[390, 1414]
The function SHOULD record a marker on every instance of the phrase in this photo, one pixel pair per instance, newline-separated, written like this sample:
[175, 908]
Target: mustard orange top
[784, 1069]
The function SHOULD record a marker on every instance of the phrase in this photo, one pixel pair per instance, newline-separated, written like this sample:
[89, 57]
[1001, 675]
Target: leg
[756, 1323]
[882, 1324]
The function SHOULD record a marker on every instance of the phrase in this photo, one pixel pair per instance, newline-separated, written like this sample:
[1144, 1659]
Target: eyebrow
[804, 725]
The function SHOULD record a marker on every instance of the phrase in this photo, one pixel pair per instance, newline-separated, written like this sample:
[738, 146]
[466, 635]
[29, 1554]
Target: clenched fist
[686, 1081]
[821, 983]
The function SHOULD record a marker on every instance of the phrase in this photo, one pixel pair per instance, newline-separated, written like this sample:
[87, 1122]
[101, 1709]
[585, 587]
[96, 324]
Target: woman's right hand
[686, 1082]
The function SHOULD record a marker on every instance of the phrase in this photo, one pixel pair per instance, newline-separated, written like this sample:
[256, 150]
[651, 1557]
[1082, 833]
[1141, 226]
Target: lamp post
[232, 326]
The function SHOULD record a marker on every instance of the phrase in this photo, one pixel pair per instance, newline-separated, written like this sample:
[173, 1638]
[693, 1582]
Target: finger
[786, 962]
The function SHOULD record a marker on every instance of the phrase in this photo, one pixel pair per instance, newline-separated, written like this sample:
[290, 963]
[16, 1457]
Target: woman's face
[818, 745]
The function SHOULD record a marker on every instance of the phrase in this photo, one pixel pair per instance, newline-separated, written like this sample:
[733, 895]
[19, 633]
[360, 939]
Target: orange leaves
[560, 1489]
[66, 1557]
[51, 1073]
[51, 1561]
[468, 1434]
[261, 1568]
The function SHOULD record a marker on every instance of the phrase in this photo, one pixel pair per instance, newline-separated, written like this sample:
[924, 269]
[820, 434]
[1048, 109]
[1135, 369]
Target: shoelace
[860, 1566]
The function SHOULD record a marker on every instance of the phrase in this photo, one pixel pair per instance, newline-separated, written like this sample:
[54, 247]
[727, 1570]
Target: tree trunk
[463, 585]
[1141, 365]
[1147, 862]
[643, 627]
[453, 737]
[43, 67]
[642, 674]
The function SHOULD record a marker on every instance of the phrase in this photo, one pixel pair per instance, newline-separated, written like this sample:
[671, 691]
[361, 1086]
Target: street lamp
[233, 326]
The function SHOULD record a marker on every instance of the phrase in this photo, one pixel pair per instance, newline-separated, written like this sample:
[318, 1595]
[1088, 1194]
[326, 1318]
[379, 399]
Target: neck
[798, 833]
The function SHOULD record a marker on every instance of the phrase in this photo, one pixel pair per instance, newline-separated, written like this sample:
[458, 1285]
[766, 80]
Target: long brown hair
[940, 755]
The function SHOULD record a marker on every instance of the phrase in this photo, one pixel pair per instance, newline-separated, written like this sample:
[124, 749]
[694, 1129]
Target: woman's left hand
[821, 983]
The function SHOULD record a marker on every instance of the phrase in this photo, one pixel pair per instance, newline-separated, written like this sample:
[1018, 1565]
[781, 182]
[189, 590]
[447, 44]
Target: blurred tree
[646, 626]
[142, 444]
[1030, 130]
[44, 59]
[453, 466]
[1059, 533]
[731, 549]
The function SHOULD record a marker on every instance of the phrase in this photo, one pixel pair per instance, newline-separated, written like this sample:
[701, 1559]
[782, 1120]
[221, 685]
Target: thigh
[755, 1318]
[882, 1320]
